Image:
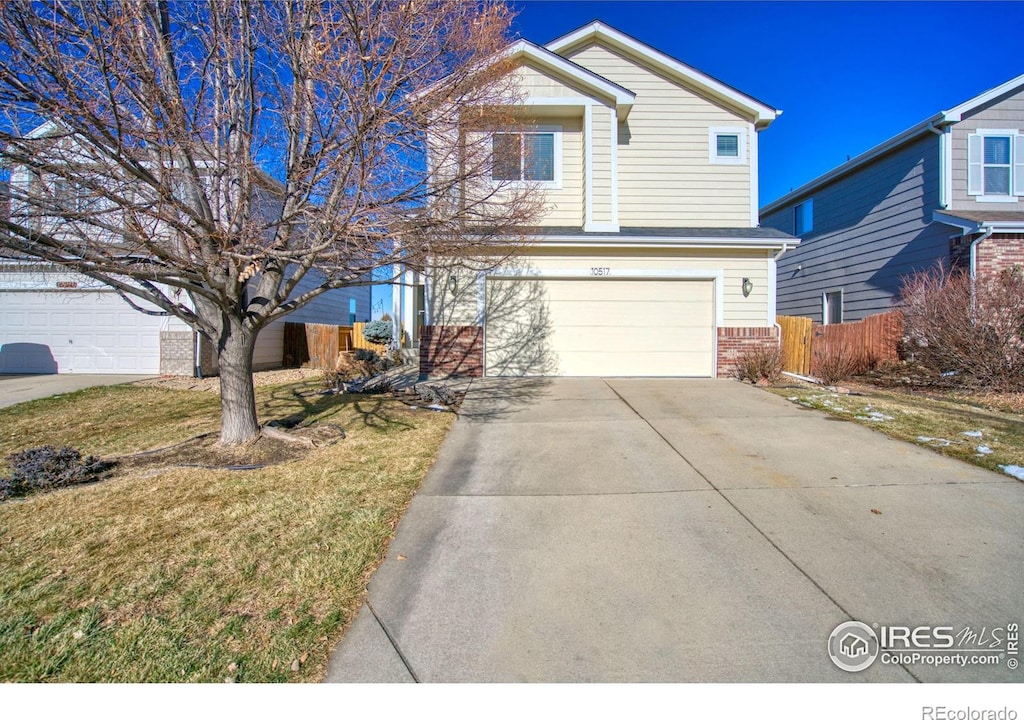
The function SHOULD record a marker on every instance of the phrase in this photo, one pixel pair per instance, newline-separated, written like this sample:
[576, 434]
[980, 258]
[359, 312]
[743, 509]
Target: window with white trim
[527, 157]
[727, 145]
[995, 161]
[832, 307]
[803, 217]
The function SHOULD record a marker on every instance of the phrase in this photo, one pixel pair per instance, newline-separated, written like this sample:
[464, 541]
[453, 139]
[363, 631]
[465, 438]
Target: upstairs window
[727, 145]
[803, 217]
[995, 160]
[526, 157]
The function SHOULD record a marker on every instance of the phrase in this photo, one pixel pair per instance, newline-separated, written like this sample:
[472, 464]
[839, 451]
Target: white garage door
[76, 332]
[586, 327]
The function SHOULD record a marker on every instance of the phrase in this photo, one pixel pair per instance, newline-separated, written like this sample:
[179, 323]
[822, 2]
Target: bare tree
[208, 157]
[971, 327]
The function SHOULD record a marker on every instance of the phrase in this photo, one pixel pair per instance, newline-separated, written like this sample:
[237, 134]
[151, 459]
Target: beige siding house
[649, 260]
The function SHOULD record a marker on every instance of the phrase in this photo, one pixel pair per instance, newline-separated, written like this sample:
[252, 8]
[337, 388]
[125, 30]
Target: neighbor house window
[832, 310]
[995, 160]
[803, 217]
[526, 157]
[727, 145]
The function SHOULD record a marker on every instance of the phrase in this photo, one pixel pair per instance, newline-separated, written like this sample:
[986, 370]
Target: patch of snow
[972, 433]
[875, 416]
[1013, 471]
[791, 399]
[924, 439]
[984, 450]
[944, 443]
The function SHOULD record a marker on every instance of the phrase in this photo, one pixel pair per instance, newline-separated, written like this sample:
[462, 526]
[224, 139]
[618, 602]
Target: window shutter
[1018, 165]
[975, 180]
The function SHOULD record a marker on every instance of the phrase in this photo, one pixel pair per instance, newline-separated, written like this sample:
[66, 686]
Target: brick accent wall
[177, 352]
[998, 253]
[447, 350]
[733, 342]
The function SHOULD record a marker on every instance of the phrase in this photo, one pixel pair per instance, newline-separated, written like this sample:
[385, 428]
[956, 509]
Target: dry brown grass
[199, 575]
[942, 418]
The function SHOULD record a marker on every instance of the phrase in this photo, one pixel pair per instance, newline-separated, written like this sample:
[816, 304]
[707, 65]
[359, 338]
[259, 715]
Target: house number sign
[600, 271]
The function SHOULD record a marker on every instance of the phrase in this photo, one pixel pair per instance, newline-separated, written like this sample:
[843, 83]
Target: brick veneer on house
[733, 342]
[178, 354]
[998, 253]
[447, 350]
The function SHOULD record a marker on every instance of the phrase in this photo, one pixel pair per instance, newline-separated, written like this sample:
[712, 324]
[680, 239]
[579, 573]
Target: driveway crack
[743, 515]
[394, 643]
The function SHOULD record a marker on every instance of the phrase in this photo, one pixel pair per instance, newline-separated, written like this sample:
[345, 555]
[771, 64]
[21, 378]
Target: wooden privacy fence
[870, 342]
[796, 344]
[314, 345]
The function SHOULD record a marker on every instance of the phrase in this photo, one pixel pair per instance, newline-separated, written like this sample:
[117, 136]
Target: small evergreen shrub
[379, 332]
[46, 468]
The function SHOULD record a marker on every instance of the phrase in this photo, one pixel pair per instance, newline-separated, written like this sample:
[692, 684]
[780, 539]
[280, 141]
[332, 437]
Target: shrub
[834, 364]
[368, 356]
[762, 365]
[970, 331]
[45, 468]
[378, 331]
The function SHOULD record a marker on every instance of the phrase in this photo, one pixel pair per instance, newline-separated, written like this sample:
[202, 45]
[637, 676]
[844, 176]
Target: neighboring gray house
[950, 190]
[56, 321]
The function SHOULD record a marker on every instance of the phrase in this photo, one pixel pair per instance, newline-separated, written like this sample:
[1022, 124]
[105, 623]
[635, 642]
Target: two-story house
[948, 190]
[649, 260]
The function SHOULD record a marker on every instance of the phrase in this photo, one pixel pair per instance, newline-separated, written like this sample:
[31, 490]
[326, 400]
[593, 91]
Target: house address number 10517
[600, 271]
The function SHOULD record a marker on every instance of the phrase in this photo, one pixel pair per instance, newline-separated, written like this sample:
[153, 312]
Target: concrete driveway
[19, 388]
[679, 530]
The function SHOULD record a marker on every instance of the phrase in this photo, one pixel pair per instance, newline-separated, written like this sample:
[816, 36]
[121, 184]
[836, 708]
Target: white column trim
[773, 284]
[615, 169]
[946, 168]
[588, 161]
[754, 188]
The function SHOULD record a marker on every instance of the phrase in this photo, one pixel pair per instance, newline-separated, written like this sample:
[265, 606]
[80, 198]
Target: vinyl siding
[464, 306]
[1006, 113]
[665, 174]
[601, 157]
[871, 228]
[533, 82]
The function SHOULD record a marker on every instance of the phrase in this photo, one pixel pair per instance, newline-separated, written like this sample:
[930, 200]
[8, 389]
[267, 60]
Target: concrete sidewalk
[678, 530]
[20, 388]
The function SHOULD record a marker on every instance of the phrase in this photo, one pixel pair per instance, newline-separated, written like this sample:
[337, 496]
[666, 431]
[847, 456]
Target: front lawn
[962, 426]
[197, 575]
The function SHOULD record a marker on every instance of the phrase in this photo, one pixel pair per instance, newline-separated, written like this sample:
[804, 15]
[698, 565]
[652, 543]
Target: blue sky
[847, 75]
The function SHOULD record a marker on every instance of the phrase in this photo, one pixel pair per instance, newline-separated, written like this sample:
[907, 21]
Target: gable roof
[559, 65]
[934, 123]
[688, 75]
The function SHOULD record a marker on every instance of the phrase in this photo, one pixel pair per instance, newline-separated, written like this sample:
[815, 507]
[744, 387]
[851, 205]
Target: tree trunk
[239, 424]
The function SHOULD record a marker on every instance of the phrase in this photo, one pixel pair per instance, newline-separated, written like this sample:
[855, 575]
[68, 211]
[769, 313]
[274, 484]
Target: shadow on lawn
[376, 411]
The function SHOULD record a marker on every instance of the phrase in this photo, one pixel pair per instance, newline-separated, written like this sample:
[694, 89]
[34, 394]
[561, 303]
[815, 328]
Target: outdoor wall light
[453, 284]
[748, 287]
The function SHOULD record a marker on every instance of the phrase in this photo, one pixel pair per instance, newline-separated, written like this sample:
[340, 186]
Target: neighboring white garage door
[586, 327]
[76, 332]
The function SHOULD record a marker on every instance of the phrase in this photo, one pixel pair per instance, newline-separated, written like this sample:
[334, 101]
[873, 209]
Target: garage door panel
[630, 340]
[600, 327]
[78, 332]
